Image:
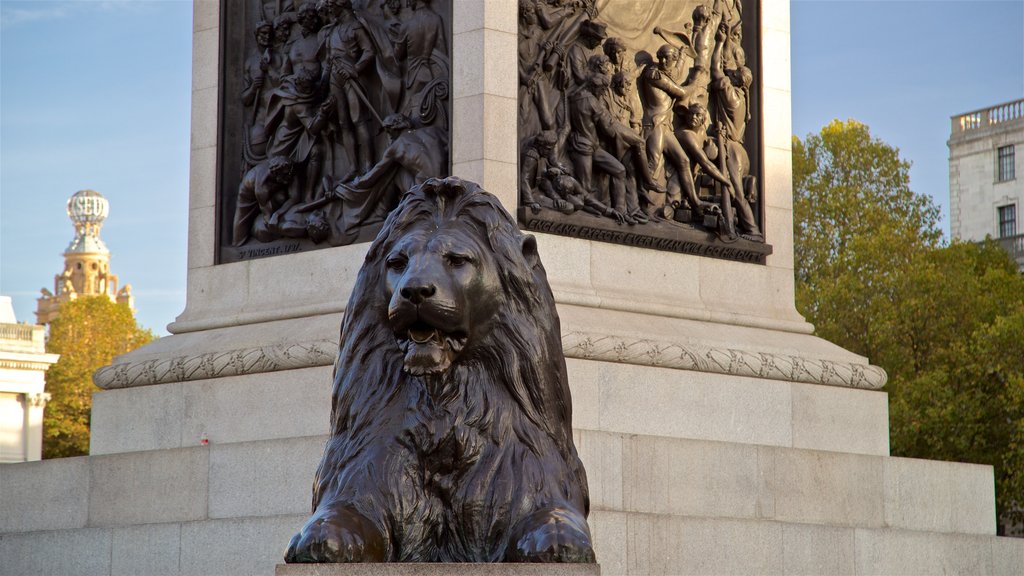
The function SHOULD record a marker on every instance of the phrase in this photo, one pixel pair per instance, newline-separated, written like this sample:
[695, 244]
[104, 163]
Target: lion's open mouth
[428, 349]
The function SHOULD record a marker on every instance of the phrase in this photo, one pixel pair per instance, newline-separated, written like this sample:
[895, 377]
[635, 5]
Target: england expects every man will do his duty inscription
[639, 122]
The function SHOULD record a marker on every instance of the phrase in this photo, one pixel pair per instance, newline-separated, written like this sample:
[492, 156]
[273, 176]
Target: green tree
[946, 322]
[88, 334]
[857, 226]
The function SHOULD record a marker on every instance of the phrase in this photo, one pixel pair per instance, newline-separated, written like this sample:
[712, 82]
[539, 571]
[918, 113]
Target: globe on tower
[86, 260]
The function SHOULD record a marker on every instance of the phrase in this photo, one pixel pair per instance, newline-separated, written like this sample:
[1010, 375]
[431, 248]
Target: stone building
[986, 176]
[23, 362]
[86, 260]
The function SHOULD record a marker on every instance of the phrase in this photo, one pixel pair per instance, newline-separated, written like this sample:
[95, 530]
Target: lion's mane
[513, 387]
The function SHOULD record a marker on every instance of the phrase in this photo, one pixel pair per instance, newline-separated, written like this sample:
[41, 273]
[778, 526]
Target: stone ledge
[577, 344]
[437, 569]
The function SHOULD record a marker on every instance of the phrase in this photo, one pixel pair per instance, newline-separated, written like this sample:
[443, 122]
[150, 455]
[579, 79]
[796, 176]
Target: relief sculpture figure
[651, 105]
[451, 421]
[319, 79]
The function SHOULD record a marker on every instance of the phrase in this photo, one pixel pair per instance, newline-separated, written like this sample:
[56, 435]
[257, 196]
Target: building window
[1007, 221]
[1006, 163]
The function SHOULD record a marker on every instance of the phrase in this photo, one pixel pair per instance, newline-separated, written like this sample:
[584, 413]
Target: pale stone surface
[133, 419]
[468, 69]
[572, 272]
[467, 120]
[284, 404]
[775, 70]
[151, 549]
[204, 117]
[202, 237]
[778, 180]
[813, 550]
[205, 14]
[1007, 555]
[236, 547]
[677, 545]
[939, 496]
[840, 419]
[922, 553]
[775, 15]
[148, 487]
[44, 495]
[645, 400]
[602, 456]
[498, 80]
[202, 176]
[608, 531]
[778, 118]
[670, 476]
[827, 488]
[204, 64]
[263, 478]
[83, 552]
[439, 569]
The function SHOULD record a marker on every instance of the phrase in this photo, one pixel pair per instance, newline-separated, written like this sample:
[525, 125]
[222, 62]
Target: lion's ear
[529, 245]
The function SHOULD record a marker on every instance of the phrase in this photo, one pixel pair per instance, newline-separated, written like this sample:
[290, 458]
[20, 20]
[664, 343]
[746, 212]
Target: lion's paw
[552, 535]
[337, 535]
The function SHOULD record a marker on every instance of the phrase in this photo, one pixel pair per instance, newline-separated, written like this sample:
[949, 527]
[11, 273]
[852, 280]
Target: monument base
[437, 569]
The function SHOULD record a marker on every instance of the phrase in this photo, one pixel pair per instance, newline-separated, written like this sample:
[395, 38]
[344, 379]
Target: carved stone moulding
[577, 344]
[329, 111]
[641, 124]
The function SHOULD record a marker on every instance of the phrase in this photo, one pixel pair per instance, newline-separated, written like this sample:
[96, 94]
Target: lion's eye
[458, 260]
[397, 262]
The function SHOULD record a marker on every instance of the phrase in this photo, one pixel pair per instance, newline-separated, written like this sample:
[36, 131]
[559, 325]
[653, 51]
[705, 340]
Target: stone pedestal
[719, 435]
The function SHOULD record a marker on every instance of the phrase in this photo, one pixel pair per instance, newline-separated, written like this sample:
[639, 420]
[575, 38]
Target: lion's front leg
[337, 534]
[551, 535]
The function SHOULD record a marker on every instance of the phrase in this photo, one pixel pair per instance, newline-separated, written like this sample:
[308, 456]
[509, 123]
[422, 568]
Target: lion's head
[451, 291]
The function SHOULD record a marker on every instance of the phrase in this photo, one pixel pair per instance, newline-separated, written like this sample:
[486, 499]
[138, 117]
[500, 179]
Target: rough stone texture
[148, 487]
[236, 547]
[939, 496]
[826, 488]
[151, 549]
[425, 569]
[922, 553]
[1007, 555]
[271, 405]
[814, 550]
[678, 545]
[842, 420]
[690, 478]
[44, 495]
[83, 552]
[263, 478]
[132, 419]
[705, 406]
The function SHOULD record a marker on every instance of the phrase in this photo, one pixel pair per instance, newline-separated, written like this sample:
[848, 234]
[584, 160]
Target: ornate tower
[86, 260]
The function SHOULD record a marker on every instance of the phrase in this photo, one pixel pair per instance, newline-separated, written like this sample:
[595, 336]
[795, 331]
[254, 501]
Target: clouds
[15, 13]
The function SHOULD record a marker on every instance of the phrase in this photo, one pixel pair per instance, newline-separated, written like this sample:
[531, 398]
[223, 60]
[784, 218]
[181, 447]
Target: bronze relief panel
[330, 110]
[640, 124]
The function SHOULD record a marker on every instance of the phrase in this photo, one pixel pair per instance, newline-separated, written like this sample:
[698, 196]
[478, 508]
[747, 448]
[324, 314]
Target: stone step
[625, 542]
[632, 473]
[606, 396]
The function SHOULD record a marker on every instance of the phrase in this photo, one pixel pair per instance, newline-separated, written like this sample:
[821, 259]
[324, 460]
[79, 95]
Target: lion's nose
[417, 294]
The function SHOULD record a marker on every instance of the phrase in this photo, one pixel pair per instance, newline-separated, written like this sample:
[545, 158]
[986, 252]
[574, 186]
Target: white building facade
[23, 365]
[986, 176]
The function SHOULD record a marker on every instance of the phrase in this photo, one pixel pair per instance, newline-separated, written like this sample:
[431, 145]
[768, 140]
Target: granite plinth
[437, 569]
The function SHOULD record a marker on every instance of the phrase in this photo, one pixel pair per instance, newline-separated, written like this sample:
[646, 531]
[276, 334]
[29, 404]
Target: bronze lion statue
[451, 423]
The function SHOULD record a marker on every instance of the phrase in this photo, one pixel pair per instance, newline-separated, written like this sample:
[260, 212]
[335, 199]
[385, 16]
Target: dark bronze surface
[353, 94]
[451, 419]
[640, 123]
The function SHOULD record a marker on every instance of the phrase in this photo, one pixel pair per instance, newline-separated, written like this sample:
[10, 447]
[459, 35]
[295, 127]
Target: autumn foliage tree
[945, 321]
[89, 332]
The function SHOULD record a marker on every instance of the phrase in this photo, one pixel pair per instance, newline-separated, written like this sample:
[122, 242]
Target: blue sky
[96, 95]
